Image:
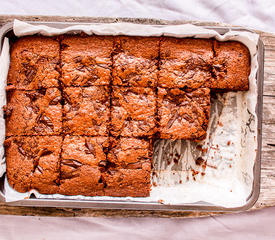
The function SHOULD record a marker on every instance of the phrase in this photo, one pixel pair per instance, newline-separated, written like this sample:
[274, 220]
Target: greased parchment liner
[230, 147]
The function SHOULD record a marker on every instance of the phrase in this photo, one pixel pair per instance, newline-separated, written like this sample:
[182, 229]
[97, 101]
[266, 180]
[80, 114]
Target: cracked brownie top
[133, 112]
[82, 161]
[33, 163]
[86, 60]
[130, 153]
[127, 182]
[36, 112]
[84, 150]
[231, 66]
[86, 110]
[135, 61]
[183, 114]
[34, 63]
[185, 62]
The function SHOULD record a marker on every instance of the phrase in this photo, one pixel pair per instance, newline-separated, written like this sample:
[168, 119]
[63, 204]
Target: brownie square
[86, 180]
[130, 153]
[185, 62]
[86, 150]
[83, 160]
[135, 63]
[183, 114]
[34, 112]
[127, 182]
[86, 60]
[34, 63]
[33, 163]
[129, 167]
[231, 66]
[86, 110]
[133, 112]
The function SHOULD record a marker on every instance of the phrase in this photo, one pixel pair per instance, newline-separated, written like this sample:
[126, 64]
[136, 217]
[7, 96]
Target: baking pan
[7, 31]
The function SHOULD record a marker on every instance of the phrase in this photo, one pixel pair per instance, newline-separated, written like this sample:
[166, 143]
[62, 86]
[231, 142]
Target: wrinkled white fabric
[251, 13]
[251, 225]
[244, 226]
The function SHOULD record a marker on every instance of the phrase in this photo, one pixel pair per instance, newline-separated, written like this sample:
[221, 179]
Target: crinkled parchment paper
[218, 170]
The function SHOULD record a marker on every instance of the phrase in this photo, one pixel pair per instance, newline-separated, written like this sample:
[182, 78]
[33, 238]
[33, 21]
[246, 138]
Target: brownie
[135, 62]
[86, 150]
[82, 111]
[83, 160]
[133, 112]
[86, 110]
[130, 153]
[86, 171]
[86, 60]
[183, 114]
[129, 167]
[34, 112]
[33, 163]
[34, 63]
[127, 182]
[185, 62]
[86, 180]
[231, 66]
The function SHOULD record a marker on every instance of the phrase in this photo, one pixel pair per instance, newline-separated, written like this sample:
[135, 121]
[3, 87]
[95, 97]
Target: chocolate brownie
[34, 112]
[183, 114]
[185, 62]
[107, 87]
[86, 110]
[135, 63]
[83, 160]
[130, 153]
[34, 63]
[133, 111]
[33, 163]
[86, 150]
[129, 168]
[127, 182]
[231, 66]
[86, 60]
[80, 180]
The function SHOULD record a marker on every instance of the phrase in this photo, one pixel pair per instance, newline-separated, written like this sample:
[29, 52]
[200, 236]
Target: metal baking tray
[7, 31]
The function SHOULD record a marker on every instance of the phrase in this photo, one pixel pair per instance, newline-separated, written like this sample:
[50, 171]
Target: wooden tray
[267, 195]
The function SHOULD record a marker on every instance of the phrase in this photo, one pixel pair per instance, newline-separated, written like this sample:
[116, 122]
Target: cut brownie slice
[185, 62]
[83, 160]
[130, 153]
[36, 112]
[33, 163]
[133, 111]
[127, 182]
[34, 63]
[135, 63]
[86, 60]
[183, 114]
[86, 150]
[231, 66]
[86, 180]
[129, 168]
[86, 110]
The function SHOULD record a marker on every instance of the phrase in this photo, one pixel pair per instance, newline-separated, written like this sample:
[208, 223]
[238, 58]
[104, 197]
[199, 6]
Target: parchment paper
[230, 147]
